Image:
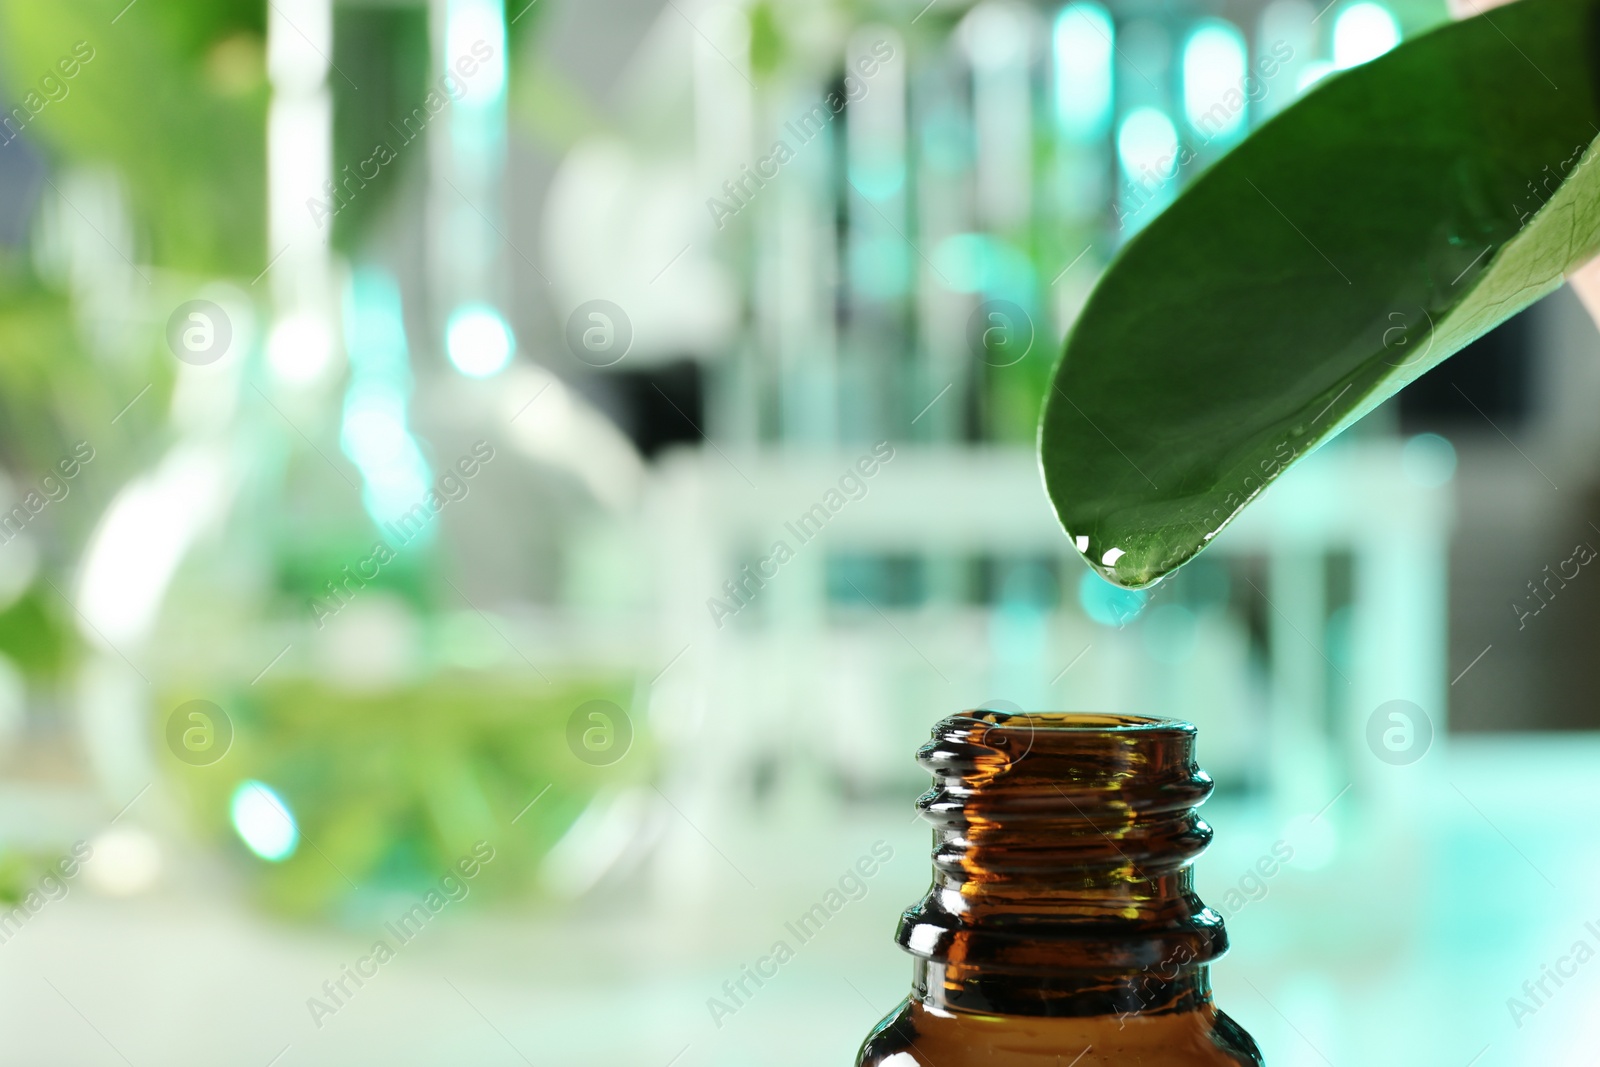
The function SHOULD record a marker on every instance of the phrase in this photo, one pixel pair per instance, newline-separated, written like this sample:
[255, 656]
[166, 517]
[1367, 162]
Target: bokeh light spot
[478, 341]
[263, 821]
[1107, 604]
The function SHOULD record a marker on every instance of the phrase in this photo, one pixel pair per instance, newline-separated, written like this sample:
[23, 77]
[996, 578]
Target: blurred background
[514, 484]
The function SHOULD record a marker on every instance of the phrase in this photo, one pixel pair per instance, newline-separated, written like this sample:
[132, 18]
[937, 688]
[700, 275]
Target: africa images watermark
[1154, 982]
[451, 87]
[53, 87]
[753, 578]
[1582, 555]
[1581, 157]
[51, 490]
[1536, 992]
[451, 487]
[452, 887]
[851, 886]
[1252, 88]
[1252, 885]
[742, 190]
[53, 885]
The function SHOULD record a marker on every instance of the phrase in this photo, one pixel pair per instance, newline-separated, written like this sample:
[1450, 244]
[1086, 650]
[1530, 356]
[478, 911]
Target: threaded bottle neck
[1062, 860]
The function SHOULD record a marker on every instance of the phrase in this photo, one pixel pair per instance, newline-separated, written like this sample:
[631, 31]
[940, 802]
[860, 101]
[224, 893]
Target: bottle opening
[1063, 845]
[1073, 720]
[1062, 916]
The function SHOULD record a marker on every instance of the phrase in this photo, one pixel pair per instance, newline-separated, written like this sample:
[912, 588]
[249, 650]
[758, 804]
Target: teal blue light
[1428, 460]
[878, 180]
[475, 40]
[978, 263]
[1147, 145]
[879, 266]
[1148, 151]
[373, 430]
[1312, 73]
[477, 29]
[478, 341]
[1214, 68]
[1169, 634]
[1082, 43]
[946, 141]
[263, 821]
[1363, 32]
[1107, 604]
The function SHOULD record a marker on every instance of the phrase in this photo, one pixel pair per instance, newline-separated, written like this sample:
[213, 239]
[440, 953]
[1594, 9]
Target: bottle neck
[984, 991]
[1062, 880]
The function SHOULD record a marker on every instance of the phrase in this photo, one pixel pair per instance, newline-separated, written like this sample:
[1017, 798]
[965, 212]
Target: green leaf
[1395, 214]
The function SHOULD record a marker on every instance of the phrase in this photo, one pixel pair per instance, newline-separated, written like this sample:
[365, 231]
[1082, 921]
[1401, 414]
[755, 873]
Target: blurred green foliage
[767, 45]
[23, 871]
[51, 396]
[34, 633]
[174, 97]
[308, 563]
[390, 788]
[171, 99]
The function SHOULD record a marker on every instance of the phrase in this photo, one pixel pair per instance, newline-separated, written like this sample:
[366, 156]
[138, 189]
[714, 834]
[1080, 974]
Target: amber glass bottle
[1062, 928]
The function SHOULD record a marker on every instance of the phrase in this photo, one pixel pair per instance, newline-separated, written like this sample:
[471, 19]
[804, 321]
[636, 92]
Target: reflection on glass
[374, 432]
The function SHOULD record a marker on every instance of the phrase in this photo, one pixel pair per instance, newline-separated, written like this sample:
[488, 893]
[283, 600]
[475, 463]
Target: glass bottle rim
[1076, 721]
